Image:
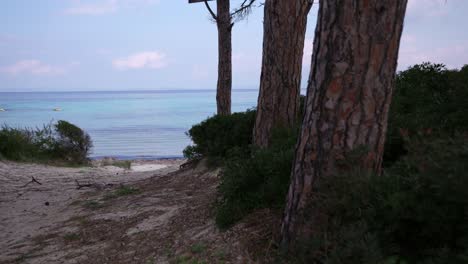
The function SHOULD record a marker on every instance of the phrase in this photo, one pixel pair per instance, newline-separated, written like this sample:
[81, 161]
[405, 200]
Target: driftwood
[79, 185]
[98, 186]
[33, 180]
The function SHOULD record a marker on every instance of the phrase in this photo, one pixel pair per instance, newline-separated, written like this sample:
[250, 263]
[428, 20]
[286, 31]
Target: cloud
[34, 67]
[101, 7]
[147, 59]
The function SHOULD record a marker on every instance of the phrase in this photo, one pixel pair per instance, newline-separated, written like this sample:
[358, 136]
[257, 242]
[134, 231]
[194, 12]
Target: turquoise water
[145, 124]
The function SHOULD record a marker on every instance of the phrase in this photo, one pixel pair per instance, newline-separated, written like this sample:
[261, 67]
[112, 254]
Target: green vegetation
[93, 205]
[220, 254]
[256, 178]
[214, 137]
[71, 237]
[61, 143]
[122, 191]
[198, 248]
[416, 212]
[428, 99]
[71, 142]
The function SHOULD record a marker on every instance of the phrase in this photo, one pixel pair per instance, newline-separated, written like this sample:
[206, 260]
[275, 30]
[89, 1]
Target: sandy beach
[153, 213]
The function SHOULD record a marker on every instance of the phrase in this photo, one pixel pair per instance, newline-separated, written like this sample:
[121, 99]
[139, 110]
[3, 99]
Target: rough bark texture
[283, 45]
[223, 94]
[350, 88]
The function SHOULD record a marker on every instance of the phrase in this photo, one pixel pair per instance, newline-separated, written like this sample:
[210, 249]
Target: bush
[61, 142]
[215, 136]
[416, 212]
[428, 98]
[25, 144]
[254, 179]
[72, 143]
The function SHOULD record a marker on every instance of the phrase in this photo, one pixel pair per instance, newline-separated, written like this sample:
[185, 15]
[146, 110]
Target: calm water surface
[146, 124]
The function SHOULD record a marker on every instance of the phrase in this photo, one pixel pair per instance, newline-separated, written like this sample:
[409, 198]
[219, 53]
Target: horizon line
[144, 90]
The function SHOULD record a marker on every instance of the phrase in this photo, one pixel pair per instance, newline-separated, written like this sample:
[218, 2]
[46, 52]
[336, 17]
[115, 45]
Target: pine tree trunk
[283, 45]
[223, 92]
[350, 88]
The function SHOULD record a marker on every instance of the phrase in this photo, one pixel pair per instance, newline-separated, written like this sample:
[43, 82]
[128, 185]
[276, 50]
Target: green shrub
[25, 144]
[61, 142]
[215, 136]
[72, 143]
[416, 212]
[428, 98]
[123, 190]
[257, 178]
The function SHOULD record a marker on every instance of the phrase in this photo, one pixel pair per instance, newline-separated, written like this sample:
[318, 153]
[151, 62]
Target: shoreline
[137, 158]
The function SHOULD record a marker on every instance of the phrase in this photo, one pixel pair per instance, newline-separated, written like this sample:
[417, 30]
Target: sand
[29, 209]
[153, 213]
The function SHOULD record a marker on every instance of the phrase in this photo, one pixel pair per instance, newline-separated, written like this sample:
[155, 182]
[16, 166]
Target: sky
[100, 45]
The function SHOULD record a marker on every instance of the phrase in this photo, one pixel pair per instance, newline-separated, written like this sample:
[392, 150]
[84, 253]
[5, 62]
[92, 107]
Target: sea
[123, 124]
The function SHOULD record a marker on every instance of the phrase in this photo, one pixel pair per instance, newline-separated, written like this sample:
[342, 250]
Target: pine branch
[244, 9]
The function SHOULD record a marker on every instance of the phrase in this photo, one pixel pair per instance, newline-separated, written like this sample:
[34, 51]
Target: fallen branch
[92, 185]
[33, 180]
[79, 186]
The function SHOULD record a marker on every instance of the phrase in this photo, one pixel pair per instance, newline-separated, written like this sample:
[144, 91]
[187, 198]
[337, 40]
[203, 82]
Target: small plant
[220, 254]
[198, 248]
[183, 259]
[22, 258]
[122, 191]
[71, 237]
[93, 205]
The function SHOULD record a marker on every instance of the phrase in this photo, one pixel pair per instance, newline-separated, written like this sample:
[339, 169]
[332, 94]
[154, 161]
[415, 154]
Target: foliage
[72, 143]
[123, 190]
[18, 144]
[62, 142]
[215, 136]
[69, 237]
[428, 99]
[416, 212]
[256, 179]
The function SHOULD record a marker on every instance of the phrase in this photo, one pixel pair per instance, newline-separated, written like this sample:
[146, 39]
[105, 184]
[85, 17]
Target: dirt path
[161, 216]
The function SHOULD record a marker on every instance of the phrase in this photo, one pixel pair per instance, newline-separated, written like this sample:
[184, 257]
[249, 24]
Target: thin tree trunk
[223, 93]
[350, 88]
[283, 46]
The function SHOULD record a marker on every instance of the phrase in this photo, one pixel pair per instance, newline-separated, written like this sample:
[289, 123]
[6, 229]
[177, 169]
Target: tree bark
[283, 46]
[348, 96]
[224, 86]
